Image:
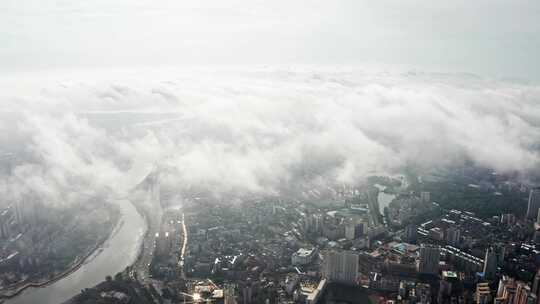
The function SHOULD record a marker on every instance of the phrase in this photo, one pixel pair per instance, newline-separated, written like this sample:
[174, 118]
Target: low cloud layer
[259, 131]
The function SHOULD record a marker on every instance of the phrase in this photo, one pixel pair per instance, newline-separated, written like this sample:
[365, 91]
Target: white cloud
[260, 131]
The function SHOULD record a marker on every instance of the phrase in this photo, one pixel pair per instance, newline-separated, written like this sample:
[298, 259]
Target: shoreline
[76, 265]
[140, 250]
[12, 293]
[147, 217]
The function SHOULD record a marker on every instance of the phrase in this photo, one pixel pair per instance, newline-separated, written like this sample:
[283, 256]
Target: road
[184, 246]
[142, 265]
[151, 208]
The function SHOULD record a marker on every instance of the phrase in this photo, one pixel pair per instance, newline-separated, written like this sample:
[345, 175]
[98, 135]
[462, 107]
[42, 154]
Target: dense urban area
[466, 235]
[41, 243]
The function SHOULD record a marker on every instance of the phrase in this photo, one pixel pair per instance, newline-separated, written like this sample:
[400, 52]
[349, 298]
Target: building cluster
[289, 251]
[406, 207]
[290, 247]
[19, 253]
[37, 241]
[296, 249]
[464, 259]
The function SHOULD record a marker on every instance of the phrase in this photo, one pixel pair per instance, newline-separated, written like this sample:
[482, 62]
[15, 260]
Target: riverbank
[138, 268]
[16, 289]
[148, 234]
[119, 251]
[152, 219]
[13, 292]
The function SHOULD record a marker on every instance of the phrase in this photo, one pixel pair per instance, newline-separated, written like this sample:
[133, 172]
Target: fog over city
[260, 130]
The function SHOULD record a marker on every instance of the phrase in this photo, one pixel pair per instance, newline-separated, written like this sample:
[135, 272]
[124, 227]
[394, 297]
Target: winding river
[118, 252]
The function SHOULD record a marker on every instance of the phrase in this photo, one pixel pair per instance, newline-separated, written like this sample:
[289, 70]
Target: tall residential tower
[534, 203]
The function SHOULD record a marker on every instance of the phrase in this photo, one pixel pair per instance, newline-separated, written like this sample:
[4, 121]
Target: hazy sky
[498, 38]
[309, 111]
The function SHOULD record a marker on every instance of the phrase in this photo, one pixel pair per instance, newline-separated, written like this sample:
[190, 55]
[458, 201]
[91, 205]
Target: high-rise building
[350, 231]
[506, 290]
[429, 259]
[7, 160]
[536, 236]
[508, 219]
[453, 236]
[370, 196]
[450, 287]
[248, 290]
[534, 203]
[354, 230]
[500, 253]
[229, 294]
[483, 293]
[18, 211]
[26, 209]
[318, 221]
[421, 294]
[411, 234]
[524, 294]
[536, 284]
[425, 196]
[5, 223]
[490, 263]
[341, 266]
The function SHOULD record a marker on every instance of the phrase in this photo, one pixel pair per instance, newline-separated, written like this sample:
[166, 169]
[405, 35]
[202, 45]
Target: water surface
[118, 252]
